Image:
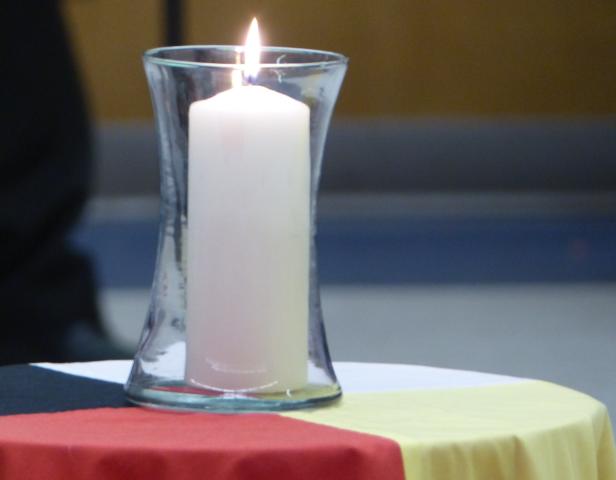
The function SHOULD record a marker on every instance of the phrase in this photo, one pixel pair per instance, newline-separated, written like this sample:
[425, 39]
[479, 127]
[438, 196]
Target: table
[64, 421]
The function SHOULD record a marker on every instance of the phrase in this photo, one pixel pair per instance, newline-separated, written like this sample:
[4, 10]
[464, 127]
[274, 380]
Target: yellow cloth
[529, 430]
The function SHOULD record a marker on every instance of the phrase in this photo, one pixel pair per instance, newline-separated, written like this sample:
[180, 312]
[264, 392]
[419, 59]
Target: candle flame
[252, 52]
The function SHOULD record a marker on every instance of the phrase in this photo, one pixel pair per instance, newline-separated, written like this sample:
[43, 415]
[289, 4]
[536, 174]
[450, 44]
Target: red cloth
[136, 444]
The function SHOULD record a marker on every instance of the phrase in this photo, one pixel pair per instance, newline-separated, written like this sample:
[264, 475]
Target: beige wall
[413, 57]
[109, 38]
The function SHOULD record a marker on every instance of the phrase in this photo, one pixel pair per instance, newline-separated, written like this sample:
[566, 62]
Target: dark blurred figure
[47, 293]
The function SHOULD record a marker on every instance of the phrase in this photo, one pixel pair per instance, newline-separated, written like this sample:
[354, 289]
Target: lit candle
[248, 237]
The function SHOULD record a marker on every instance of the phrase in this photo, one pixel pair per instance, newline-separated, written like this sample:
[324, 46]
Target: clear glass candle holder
[235, 321]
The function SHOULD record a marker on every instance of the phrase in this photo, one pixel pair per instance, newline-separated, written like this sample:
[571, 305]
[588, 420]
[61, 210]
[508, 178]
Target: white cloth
[354, 377]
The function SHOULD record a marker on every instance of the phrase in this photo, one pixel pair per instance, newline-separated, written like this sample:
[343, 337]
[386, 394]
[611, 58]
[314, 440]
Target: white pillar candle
[248, 241]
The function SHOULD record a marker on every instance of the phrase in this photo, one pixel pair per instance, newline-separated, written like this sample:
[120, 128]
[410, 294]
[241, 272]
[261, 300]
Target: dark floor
[391, 251]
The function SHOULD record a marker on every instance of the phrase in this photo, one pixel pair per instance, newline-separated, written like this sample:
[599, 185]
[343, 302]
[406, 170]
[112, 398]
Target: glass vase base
[176, 396]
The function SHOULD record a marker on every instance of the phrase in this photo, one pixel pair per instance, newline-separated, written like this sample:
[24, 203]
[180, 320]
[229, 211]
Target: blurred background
[468, 208]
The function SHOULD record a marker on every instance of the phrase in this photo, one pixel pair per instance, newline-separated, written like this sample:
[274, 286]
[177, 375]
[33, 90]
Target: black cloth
[45, 286]
[30, 389]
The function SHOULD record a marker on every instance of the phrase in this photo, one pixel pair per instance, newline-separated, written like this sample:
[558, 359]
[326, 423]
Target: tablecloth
[63, 421]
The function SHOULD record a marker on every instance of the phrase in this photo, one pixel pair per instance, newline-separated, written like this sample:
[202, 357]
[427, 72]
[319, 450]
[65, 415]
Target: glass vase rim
[152, 55]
